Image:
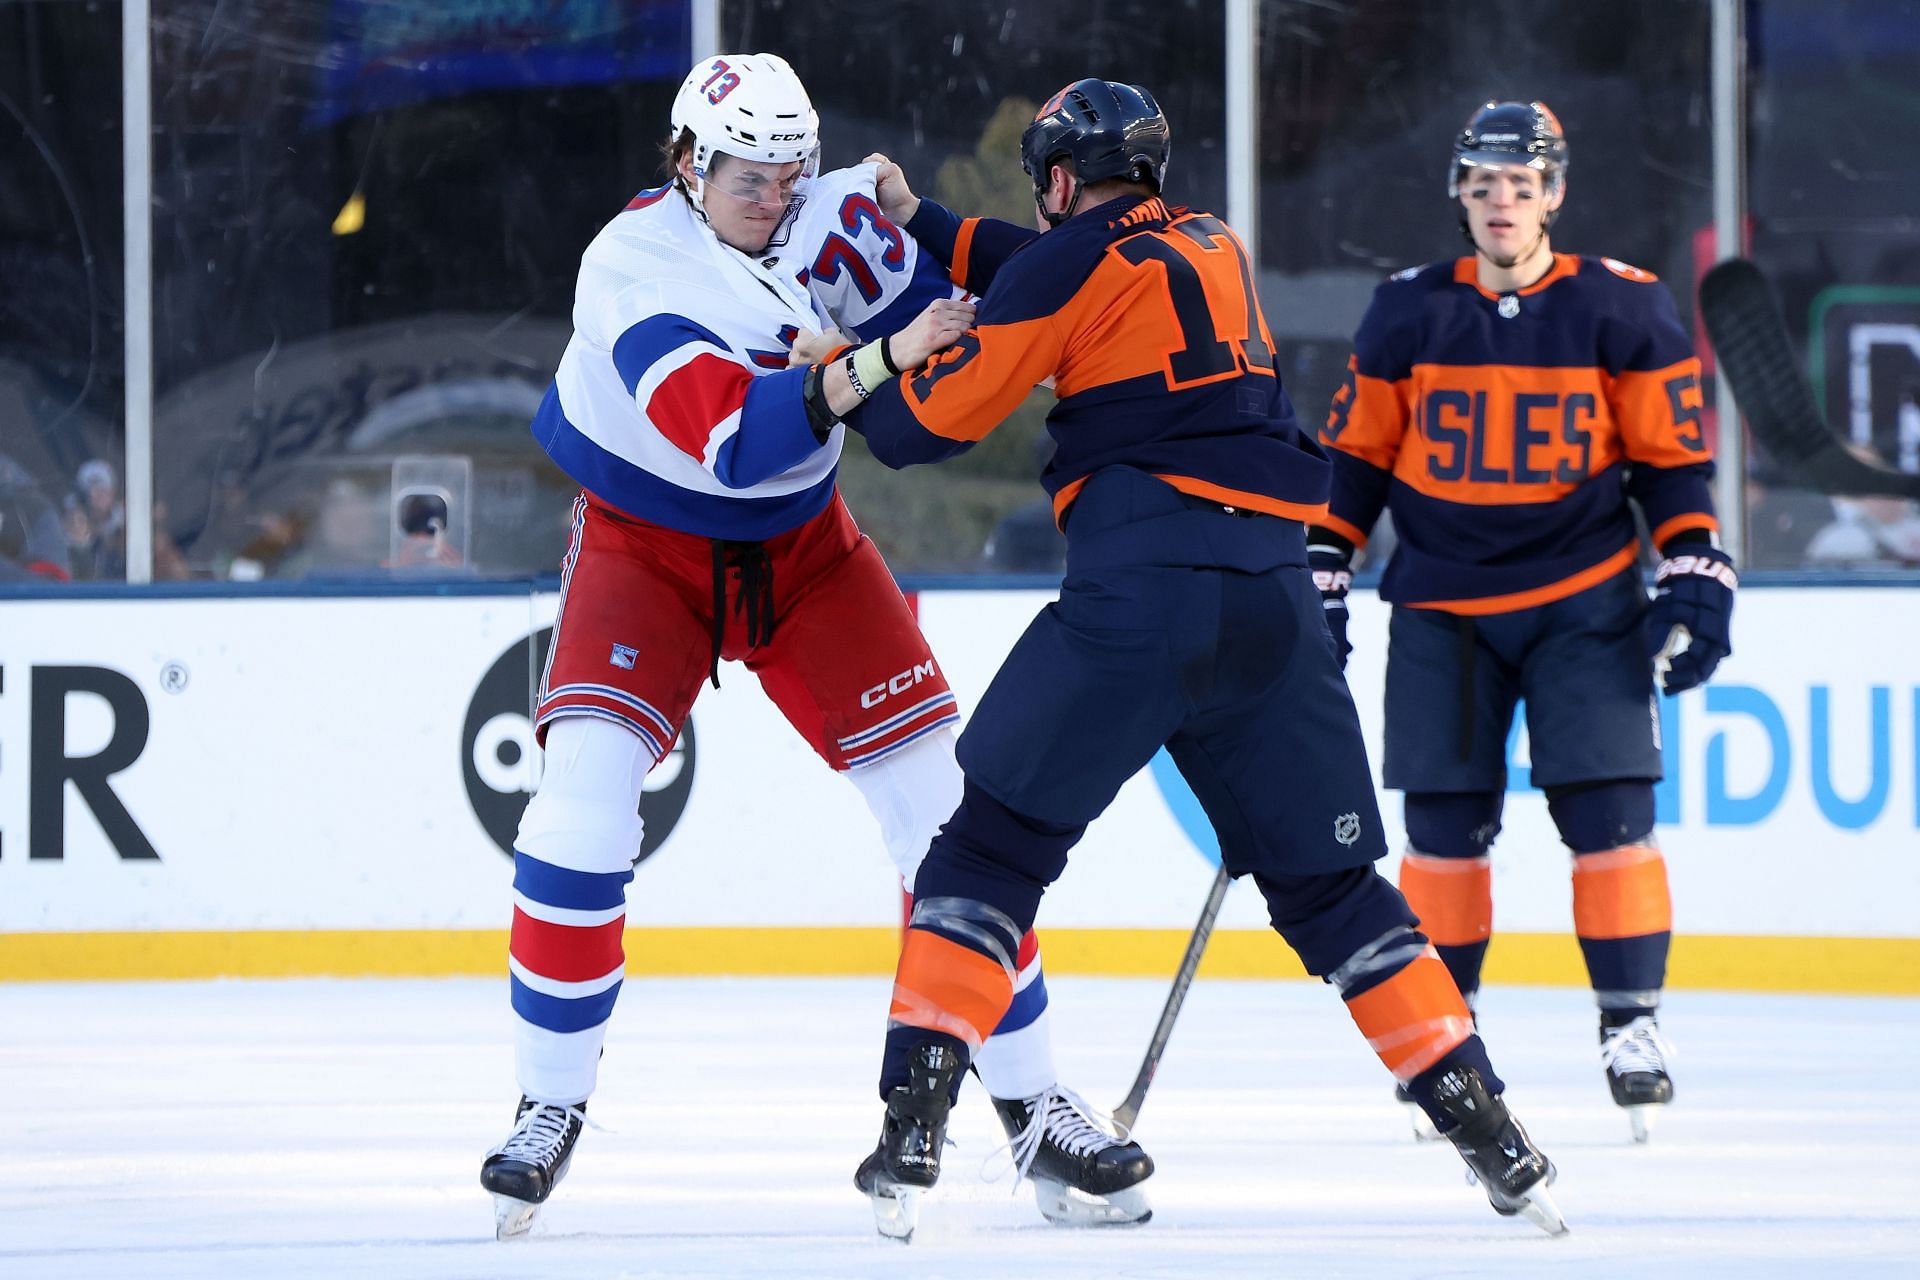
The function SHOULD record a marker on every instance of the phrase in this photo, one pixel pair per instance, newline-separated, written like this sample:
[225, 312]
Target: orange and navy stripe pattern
[1146, 320]
[1506, 433]
[1415, 1018]
[942, 985]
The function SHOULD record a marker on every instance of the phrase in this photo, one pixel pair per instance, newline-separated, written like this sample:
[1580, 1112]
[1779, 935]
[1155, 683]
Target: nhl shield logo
[1346, 828]
[1509, 307]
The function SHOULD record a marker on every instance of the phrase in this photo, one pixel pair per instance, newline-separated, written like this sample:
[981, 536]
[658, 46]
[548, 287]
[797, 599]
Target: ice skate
[1500, 1156]
[1635, 1056]
[1082, 1175]
[906, 1161]
[1423, 1130]
[523, 1171]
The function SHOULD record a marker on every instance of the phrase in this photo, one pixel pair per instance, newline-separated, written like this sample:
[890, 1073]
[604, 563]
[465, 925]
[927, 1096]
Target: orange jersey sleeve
[1148, 322]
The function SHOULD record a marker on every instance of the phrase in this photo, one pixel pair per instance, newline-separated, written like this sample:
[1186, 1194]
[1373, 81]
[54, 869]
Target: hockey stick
[1750, 341]
[1128, 1111]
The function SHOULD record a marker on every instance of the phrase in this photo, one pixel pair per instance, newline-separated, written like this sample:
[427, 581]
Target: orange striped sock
[946, 987]
[1413, 1018]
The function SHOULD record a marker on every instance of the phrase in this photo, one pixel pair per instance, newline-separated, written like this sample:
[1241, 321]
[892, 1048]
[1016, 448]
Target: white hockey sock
[1017, 1059]
[572, 862]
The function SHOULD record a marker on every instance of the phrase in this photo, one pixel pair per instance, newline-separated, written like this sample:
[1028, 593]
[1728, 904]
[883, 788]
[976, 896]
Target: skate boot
[523, 1171]
[1500, 1156]
[1635, 1056]
[1423, 1130]
[1082, 1175]
[906, 1162]
[1417, 1117]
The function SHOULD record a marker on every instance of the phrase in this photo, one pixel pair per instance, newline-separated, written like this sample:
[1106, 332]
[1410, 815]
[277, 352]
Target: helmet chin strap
[695, 190]
[1055, 219]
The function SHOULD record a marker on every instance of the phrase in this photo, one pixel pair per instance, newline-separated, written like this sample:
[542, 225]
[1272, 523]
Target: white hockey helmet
[750, 105]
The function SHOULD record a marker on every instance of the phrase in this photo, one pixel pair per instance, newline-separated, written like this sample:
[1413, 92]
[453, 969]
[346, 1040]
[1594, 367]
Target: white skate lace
[1635, 1046]
[1077, 1127]
[540, 1133]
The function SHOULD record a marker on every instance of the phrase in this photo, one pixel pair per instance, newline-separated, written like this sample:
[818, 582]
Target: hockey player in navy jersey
[709, 527]
[1187, 619]
[1508, 408]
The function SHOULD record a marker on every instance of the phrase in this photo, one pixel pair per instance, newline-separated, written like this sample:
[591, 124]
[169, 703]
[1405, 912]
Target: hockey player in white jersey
[709, 527]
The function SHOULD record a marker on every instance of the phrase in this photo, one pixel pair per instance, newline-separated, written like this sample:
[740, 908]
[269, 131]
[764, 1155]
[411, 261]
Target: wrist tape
[867, 369]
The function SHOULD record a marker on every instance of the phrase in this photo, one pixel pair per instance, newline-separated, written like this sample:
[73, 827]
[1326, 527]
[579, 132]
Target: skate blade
[512, 1218]
[1642, 1118]
[1537, 1206]
[1066, 1206]
[896, 1212]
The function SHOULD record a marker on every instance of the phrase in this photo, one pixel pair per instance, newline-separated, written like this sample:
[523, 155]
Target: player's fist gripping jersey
[695, 335]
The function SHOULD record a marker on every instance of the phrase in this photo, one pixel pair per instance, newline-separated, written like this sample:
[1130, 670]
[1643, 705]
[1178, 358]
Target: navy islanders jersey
[1507, 433]
[1146, 320]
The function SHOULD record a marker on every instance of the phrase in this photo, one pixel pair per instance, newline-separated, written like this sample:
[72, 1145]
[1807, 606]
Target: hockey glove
[1330, 558]
[1688, 627]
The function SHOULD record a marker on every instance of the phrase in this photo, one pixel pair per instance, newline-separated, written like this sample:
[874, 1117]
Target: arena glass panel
[368, 218]
[62, 379]
[1358, 108]
[1833, 190]
[946, 87]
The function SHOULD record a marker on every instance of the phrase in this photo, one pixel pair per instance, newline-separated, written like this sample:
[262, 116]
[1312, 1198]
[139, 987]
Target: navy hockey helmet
[1511, 133]
[1105, 129]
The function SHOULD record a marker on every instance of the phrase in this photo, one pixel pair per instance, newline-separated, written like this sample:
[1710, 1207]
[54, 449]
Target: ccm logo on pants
[898, 684]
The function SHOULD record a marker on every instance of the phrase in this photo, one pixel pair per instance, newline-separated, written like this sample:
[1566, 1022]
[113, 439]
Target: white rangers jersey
[674, 402]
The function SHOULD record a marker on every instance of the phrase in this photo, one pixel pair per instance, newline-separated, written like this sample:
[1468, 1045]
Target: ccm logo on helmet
[787, 137]
[898, 684]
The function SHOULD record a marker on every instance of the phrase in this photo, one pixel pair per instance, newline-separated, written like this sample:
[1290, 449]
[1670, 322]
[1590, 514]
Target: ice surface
[297, 1128]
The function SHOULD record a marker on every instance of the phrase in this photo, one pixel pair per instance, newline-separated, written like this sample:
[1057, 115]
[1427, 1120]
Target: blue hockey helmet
[1502, 134]
[1105, 129]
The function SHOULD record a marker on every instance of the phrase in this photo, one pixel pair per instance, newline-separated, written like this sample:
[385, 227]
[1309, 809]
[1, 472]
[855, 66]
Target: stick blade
[1750, 340]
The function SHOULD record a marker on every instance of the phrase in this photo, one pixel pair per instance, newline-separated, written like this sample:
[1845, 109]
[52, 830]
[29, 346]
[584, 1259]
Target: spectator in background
[32, 545]
[78, 531]
[96, 490]
[423, 528]
[1869, 533]
[345, 534]
[95, 527]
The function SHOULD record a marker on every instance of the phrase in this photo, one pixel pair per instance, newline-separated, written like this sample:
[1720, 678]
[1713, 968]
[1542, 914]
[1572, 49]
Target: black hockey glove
[1688, 627]
[1330, 557]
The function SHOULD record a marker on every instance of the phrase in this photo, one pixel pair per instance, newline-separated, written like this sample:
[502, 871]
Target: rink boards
[249, 786]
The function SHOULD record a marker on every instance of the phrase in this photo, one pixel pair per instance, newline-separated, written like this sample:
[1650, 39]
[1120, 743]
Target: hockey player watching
[710, 528]
[1187, 619]
[1506, 407]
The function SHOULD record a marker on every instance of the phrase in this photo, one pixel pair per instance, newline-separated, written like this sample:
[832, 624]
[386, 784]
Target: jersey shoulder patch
[1627, 271]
